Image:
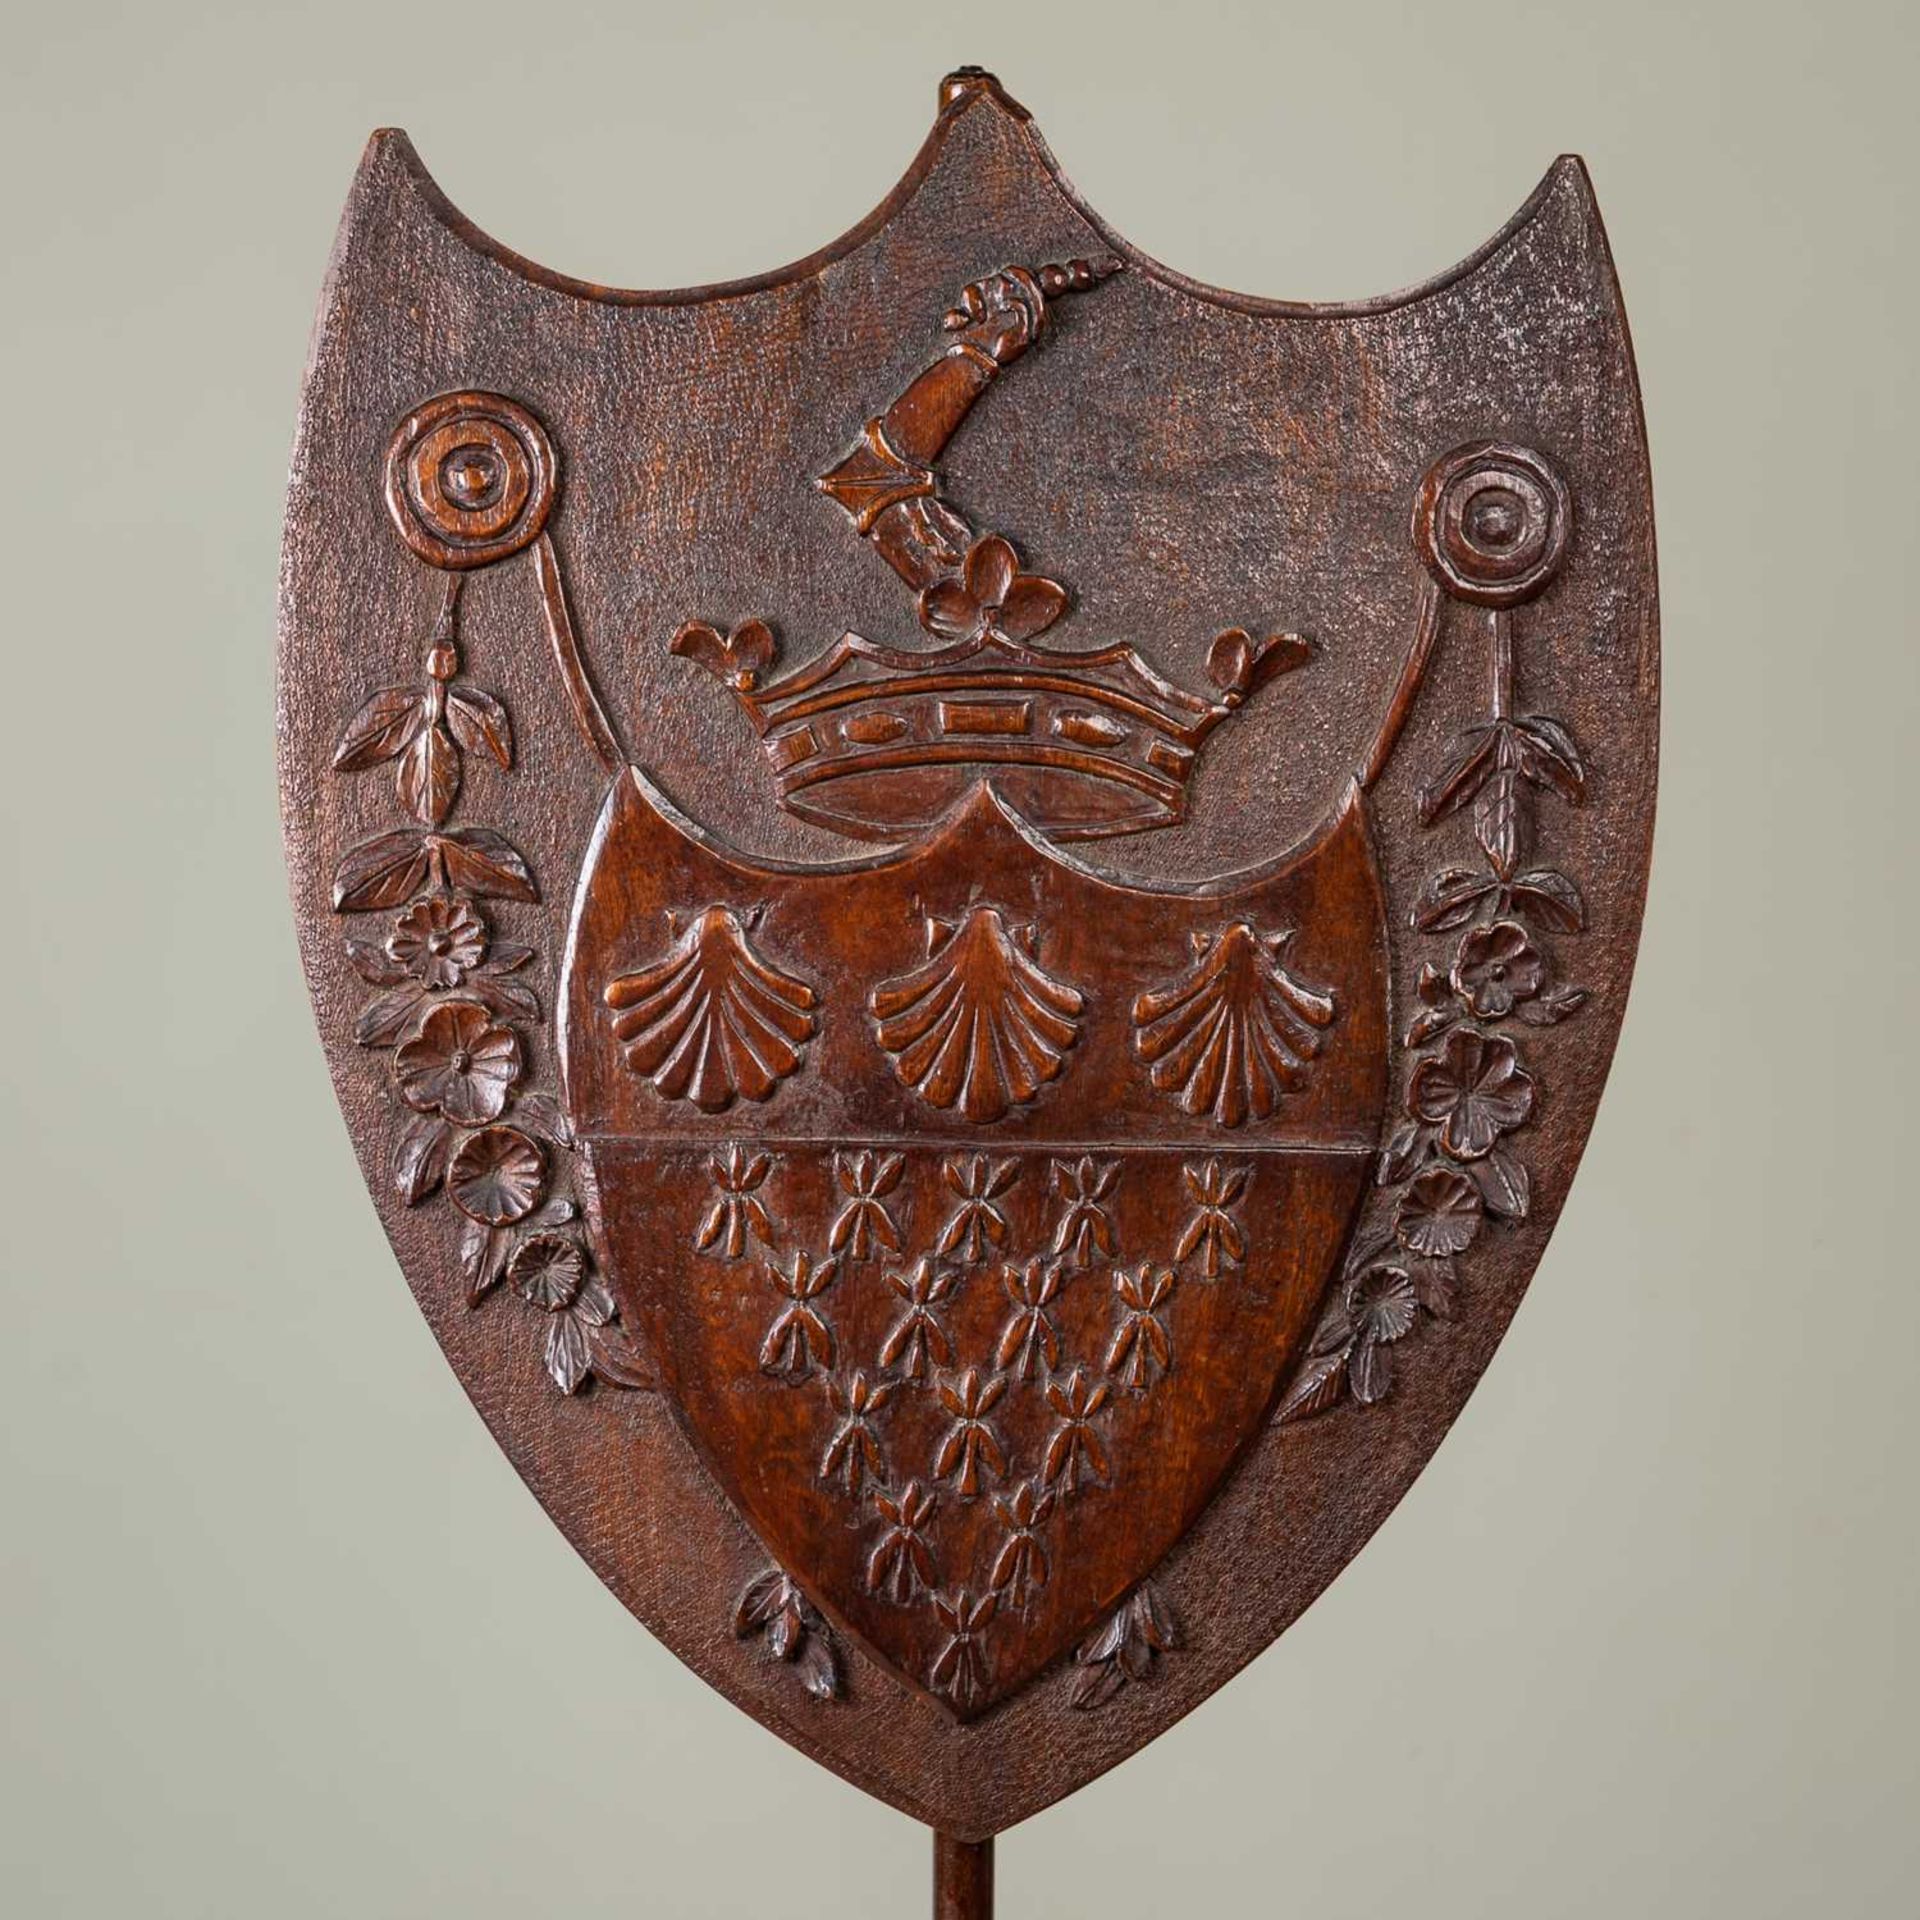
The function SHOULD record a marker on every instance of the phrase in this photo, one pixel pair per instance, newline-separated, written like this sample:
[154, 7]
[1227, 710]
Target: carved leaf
[1550, 757]
[1236, 1033]
[618, 1362]
[1438, 1007]
[1397, 1158]
[388, 1015]
[1334, 1329]
[1318, 1386]
[1496, 820]
[1106, 1644]
[1370, 1371]
[766, 1595]
[374, 964]
[1433, 1286]
[483, 1257]
[479, 861]
[480, 723]
[543, 1114]
[569, 1357]
[775, 1608]
[980, 1026]
[505, 997]
[1554, 1006]
[713, 1022]
[382, 872]
[429, 775]
[1094, 1686]
[1152, 1620]
[1504, 1183]
[1553, 898]
[1469, 759]
[384, 728]
[817, 1667]
[1450, 898]
[1127, 1647]
[420, 1156]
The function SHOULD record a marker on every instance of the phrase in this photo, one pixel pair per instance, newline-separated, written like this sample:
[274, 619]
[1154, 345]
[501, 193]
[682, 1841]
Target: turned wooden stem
[962, 1878]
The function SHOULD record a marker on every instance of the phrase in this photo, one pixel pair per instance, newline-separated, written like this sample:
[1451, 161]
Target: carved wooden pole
[962, 1878]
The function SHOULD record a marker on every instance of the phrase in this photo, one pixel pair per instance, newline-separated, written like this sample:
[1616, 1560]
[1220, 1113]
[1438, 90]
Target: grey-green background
[281, 1635]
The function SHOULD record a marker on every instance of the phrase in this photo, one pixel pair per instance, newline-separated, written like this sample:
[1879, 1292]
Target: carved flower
[1439, 1213]
[437, 941]
[1381, 1308]
[1497, 967]
[1473, 1090]
[992, 595]
[497, 1176]
[1380, 1302]
[548, 1269]
[458, 1064]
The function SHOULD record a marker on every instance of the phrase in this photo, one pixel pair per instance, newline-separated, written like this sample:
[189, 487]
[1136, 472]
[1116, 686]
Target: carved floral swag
[1448, 1168]
[452, 1000]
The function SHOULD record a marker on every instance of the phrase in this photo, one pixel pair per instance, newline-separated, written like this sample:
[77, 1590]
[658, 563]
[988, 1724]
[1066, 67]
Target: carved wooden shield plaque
[968, 904]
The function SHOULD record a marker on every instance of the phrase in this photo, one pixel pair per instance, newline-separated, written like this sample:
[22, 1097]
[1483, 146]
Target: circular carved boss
[470, 479]
[1491, 522]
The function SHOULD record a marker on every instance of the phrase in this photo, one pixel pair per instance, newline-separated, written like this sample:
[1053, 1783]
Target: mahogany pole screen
[968, 904]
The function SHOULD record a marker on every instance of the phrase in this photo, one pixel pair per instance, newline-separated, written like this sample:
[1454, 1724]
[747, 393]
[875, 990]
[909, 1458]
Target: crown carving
[880, 741]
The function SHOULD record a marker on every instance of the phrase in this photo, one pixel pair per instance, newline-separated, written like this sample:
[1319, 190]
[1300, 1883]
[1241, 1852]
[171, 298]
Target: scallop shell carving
[713, 1021]
[981, 1026]
[1236, 1033]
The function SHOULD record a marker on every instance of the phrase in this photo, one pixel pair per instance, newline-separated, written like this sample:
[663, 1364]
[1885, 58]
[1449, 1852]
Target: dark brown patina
[969, 903]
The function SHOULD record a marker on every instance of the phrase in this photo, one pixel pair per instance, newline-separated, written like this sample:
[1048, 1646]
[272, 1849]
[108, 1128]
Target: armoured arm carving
[886, 485]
